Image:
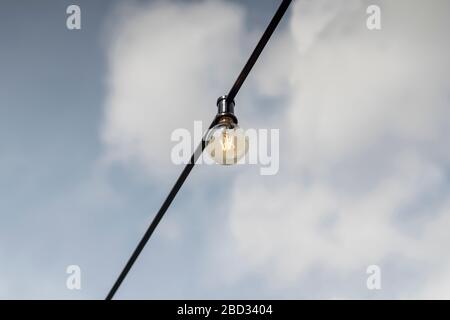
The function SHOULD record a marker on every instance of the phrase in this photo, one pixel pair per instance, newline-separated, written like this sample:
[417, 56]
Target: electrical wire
[188, 168]
[173, 192]
[258, 49]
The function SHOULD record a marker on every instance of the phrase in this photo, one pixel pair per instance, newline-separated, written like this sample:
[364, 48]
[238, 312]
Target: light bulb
[226, 143]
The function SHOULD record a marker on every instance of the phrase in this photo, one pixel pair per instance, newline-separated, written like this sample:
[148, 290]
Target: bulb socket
[225, 109]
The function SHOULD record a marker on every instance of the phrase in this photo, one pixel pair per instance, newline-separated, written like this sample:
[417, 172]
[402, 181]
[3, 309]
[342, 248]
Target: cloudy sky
[364, 179]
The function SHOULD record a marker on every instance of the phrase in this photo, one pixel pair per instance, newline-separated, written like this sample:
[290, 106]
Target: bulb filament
[227, 142]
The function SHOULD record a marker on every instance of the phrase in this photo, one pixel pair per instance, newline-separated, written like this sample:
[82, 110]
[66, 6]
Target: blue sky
[85, 123]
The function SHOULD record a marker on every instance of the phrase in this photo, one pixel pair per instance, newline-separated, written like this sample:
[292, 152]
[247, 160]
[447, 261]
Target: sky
[363, 115]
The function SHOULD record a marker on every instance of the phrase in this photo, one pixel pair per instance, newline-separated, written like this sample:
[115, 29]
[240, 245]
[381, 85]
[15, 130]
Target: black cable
[187, 169]
[184, 174]
[258, 49]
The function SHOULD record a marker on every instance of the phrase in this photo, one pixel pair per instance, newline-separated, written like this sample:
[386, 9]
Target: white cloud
[367, 122]
[168, 64]
[365, 118]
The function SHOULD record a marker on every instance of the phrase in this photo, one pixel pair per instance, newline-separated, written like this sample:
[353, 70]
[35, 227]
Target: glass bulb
[226, 143]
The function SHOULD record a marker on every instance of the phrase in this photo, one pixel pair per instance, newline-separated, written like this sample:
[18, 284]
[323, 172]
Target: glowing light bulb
[226, 143]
